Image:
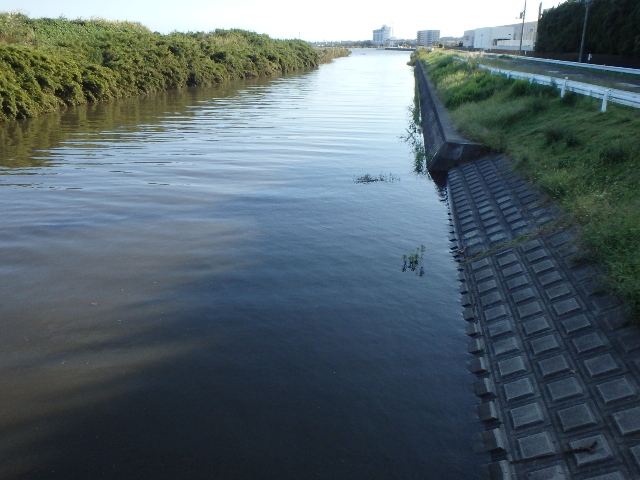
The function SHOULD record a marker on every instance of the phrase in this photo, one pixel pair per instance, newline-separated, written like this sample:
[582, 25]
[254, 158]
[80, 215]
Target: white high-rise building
[381, 35]
[428, 38]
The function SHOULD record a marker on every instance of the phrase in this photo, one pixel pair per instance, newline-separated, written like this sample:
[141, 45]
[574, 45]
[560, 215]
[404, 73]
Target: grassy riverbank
[48, 63]
[587, 161]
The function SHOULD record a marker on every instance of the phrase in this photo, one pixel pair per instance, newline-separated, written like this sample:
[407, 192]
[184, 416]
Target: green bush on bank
[47, 63]
[587, 161]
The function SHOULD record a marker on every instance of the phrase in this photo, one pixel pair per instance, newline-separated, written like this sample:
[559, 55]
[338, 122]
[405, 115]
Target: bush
[46, 63]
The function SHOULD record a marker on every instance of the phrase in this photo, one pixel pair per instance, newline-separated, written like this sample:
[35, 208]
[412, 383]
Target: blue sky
[313, 21]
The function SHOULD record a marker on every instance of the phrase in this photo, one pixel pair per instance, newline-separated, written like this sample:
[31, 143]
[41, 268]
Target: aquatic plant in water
[413, 262]
[380, 178]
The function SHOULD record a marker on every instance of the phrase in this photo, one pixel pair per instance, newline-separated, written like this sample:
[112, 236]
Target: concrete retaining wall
[444, 148]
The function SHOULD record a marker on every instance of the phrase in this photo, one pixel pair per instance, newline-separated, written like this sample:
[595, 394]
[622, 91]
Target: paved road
[597, 77]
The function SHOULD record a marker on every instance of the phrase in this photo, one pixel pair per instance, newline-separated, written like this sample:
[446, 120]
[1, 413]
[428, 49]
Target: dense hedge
[47, 63]
[613, 28]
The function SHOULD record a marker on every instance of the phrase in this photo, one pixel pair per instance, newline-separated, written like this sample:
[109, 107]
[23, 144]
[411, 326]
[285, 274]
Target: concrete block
[557, 472]
[500, 328]
[616, 390]
[513, 218]
[630, 341]
[518, 282]
[635, 453]
[536, 256]
[487, 286]
[600, 450]
[609, 476]
[549, 278]
[484, 387]
[558, 292]
[576, 417]
[506, 346]
[512, 270]
[553, 365]
[480, 264]
[543, 345]
[563, 389]
[559, 239]
[526, 415]
[469, 314]
[509, 210]
[507, 260]
[473, 329]
[495, 313]
[576, 324]
[512, 367]
[536, 446]
[628, 421]
[535, 326]
[498, 237]
[588, 343]
[518, 389]
[531, 245]
[566, 307]
[491, 299]
[475, 346]
[484, 274]
[529, 309]
[487, 412]
[494, 440]
[601, 365]
[479, 365]
[524, 295]
[501, 470]
[544, 266]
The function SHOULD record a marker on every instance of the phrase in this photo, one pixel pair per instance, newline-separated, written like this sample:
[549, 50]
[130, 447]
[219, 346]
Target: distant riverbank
[46, 64]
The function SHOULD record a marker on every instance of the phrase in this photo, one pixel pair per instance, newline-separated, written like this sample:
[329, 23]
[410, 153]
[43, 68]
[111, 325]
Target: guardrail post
[564, 87]
[605, 97]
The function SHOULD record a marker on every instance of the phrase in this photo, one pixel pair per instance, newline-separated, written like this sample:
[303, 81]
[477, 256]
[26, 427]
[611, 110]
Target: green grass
[48, 63]
[588, 162]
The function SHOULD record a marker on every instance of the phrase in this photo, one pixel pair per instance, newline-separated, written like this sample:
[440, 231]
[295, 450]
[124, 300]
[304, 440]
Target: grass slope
[587, 161]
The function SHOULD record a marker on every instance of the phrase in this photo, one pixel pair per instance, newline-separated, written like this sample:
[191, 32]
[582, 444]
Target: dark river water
[195, 285]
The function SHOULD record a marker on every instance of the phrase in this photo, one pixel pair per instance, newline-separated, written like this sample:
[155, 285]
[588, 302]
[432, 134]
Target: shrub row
[47, 63]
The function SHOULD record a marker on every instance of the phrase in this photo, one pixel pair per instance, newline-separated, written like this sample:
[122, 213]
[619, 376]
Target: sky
[312, 21]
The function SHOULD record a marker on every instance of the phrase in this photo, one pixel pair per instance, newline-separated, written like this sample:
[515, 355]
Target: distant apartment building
[428, 38]
[382, 35]
[506, 37]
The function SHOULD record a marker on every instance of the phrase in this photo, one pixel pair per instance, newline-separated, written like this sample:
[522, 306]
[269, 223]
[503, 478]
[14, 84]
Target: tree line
[613, 28]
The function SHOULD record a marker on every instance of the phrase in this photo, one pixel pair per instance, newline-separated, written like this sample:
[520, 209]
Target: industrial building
[506, 37]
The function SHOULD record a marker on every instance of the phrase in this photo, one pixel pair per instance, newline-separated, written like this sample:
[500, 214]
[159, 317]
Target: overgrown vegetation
[587, 161]
[613, 28]
[48, 63]
[366, 178]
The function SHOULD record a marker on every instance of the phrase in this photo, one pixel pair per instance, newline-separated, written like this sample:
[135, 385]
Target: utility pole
[587, 4]
[523, 14]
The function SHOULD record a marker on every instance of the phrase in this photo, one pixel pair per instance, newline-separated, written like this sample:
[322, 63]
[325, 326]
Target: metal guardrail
[605, 94]
[591, 66]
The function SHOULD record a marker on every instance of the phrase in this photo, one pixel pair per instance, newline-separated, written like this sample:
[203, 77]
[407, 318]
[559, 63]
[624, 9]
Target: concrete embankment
[557, 365]
[444, 147]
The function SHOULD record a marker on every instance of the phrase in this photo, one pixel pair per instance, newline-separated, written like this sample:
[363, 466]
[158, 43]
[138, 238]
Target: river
[195, 284]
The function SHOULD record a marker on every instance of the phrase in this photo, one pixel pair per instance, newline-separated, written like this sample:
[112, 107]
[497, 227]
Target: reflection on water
[27, 143]
[195, 287]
